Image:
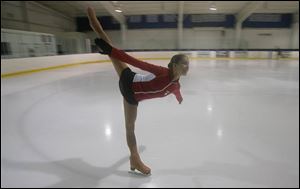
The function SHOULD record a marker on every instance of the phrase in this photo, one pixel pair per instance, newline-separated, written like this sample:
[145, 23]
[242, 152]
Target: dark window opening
[5, 48]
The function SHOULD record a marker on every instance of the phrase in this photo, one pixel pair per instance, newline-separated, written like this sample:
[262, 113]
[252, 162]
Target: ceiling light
[118, 10]
[213, 6]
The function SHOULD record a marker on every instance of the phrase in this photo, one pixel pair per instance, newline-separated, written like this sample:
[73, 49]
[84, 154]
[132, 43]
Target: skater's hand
[180, 101]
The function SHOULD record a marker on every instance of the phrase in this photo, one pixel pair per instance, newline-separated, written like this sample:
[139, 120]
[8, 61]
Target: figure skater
[135, 87]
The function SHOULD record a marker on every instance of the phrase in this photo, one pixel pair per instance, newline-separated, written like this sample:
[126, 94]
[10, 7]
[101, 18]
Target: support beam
[294, 37]
[248, 10]
[123, 33]
[25, 15]
[238, 33]
[242, 16]
[180, 24]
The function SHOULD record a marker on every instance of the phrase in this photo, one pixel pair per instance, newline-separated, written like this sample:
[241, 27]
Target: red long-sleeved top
[157, 84]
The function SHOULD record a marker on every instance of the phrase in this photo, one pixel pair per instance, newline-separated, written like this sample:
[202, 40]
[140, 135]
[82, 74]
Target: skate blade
[138, 173]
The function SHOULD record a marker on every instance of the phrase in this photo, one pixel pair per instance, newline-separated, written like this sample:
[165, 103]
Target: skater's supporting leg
[130, 112]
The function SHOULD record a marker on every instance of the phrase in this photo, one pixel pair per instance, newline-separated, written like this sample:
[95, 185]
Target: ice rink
[238, 126]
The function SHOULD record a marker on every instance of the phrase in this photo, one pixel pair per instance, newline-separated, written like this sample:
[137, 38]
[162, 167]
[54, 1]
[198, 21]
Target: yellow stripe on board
[50, 68]
[103, 61]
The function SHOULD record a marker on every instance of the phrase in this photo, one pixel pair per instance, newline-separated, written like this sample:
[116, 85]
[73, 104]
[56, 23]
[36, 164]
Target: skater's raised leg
[96, 26]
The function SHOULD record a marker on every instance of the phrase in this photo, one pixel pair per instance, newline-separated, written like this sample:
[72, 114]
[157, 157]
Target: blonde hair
[175, 59]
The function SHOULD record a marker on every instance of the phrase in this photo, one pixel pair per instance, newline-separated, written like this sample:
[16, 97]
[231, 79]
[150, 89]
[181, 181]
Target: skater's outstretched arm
[178, 96]
[121, 55]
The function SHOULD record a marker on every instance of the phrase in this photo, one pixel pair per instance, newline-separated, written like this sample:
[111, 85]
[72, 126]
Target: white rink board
[24, 64]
